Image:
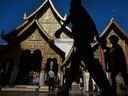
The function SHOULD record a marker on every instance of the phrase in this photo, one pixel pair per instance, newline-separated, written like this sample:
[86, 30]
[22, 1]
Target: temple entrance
[29, 67]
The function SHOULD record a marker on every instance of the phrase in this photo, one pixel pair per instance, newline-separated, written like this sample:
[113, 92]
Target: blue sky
[11, 11]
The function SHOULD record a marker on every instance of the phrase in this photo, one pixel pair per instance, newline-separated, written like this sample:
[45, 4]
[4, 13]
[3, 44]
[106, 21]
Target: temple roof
[46, 4]
[114, 25]
[36, 14]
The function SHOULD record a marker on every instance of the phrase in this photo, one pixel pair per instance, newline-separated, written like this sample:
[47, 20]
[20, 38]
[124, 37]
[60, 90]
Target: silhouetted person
[8, 65]
[55, 69]
[67, 82]
[51, 75]
[117, 62]
[81, 81]
[47, 68]
[2, 73]
[37, 60]
[52, 71]
[83, 31]
[90, 86]
[106, 54]
[55, 66]
[24, 67]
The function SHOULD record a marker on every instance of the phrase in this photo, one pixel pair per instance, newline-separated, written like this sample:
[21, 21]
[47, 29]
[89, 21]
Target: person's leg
[125, 76]
[114, 84]
[97, 73]
[49, 85]
[66, 88]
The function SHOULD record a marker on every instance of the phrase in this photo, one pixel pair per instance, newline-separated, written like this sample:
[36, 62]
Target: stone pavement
[24, 90]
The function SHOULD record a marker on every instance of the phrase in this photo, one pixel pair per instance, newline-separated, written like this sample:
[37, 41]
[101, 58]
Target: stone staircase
[25, 88]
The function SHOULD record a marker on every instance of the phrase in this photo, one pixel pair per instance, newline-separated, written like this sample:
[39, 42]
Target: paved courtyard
[43, 91]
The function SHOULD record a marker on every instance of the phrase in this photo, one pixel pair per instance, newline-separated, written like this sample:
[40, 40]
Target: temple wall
[35, 41]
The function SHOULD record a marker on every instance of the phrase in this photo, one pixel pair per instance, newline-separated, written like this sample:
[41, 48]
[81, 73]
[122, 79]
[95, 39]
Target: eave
[113, 25]
[42, 9]
[47, 3]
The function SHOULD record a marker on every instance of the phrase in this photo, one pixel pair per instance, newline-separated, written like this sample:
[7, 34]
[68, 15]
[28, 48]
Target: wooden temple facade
[36, 32]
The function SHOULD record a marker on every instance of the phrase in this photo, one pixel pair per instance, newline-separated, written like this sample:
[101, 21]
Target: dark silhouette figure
[24, 67]
[117, 62]
[51, 73]
[81, 81]
[7, 68]
[36, 60]
[55, 66]
[55, 69]
[106, 54]
[36, 65]
[83, 31]
[90, 86]
[47, 68]
[67, 82]
[28, 63]
[75, 65]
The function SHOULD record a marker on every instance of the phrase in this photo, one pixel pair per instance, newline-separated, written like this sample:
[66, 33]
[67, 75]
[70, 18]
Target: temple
[113, 28]
[37, 32]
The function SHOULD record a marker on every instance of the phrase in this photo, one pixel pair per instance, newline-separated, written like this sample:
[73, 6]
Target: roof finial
[65, 16]
[112, 19]
[24, 16]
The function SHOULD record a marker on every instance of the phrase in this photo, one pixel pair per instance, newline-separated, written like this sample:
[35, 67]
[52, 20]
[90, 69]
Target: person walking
[117, 62]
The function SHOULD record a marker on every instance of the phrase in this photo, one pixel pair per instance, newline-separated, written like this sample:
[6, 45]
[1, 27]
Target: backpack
[51, 74]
